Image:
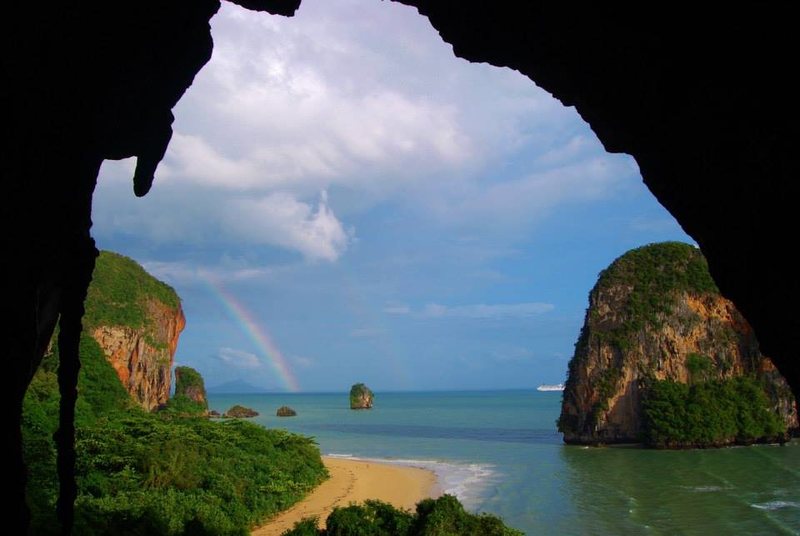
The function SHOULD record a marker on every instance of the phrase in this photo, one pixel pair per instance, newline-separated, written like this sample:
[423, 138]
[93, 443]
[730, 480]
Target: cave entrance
[399, 189]
[316, 207]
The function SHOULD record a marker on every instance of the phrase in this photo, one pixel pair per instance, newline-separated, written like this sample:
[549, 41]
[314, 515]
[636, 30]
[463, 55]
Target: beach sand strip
[354, 481]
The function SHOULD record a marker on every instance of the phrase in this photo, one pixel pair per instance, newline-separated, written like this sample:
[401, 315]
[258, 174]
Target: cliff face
[658, 325]
[137, 321]
[189, 384]
[143, 357]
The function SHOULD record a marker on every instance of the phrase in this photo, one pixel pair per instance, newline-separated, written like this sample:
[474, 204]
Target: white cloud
[483, 310]
[239, 359]
[281, 220]
[192, 159]
[296, 107]
[381, 116]
[516, 204]
[184, 272]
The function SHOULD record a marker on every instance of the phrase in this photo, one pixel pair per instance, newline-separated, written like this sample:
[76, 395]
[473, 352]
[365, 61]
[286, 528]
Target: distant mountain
[238, 387]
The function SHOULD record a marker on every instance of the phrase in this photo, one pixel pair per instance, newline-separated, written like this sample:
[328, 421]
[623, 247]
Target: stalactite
[78, 277]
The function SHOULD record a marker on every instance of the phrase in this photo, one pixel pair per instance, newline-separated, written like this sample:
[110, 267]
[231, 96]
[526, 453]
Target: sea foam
[776, 505]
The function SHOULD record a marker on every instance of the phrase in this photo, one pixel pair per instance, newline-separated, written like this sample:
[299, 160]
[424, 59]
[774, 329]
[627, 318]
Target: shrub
[444, 516]
[712, 413]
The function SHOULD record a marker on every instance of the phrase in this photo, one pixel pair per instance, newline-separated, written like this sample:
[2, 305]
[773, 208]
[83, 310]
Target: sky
[344, 200]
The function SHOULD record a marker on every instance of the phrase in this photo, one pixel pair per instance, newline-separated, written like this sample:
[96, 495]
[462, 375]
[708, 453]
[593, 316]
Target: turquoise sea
[499, 452]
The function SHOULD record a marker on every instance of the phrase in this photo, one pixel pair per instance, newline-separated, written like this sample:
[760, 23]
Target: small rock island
[285, 411]
[240, 412]
[361, 397]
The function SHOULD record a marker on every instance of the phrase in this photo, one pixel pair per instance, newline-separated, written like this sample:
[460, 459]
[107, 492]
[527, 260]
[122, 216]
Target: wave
[776, 505]
[468, 481]
[706, 489]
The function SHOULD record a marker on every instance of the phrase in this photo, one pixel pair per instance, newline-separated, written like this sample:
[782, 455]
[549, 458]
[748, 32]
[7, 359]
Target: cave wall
[703, 102]
[702, 99]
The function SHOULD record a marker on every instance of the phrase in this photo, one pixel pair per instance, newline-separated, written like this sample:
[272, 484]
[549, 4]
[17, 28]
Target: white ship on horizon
[551, 387]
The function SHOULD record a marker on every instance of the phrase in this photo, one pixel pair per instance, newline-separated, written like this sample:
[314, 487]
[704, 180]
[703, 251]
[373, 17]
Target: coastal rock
[654, 314]
[190, 394]
[189, 383]
[361, 397]
[214, 414]
[240, 412]
[285, 411]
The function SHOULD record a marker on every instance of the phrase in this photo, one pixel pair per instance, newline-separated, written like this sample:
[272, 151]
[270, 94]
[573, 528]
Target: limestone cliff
[189, 383]
[136, 320]
[655, 314]
[361, 397]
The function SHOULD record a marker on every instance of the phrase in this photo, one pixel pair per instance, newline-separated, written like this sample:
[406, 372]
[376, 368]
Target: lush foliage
[654, 273]
[712, 413]
[188, 380]
[444, 516]
[120, 291]
[357, 393]
[190, 393]
[182, 405]
[144, 474]
[699, 366]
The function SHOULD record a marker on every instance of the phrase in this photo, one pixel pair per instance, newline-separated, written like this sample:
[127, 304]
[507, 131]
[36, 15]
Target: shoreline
[354, 481]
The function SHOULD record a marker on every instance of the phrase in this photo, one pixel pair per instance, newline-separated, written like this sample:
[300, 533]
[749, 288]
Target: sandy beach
[354, 481]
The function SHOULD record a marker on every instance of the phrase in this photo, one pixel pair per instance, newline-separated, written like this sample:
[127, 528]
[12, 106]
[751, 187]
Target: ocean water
[499, 452]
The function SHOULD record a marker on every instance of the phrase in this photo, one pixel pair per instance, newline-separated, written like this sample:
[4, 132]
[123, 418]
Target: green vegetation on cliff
[360, 396]
[655, 273]
[711, 413]
[154, 474]
[120, 292]
[444, 516]
[674, 358]
[190, 393]
[141, 473]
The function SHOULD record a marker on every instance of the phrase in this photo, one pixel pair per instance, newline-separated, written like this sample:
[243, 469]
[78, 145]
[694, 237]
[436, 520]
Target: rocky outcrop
[361, 397]
[143, 357]
[189, 383]
[285, 411]
[655, 314]
[240, 412]
[137, 320]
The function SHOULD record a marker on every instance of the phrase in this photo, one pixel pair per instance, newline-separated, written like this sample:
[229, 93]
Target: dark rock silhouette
[704, 101]
[240, 412]
[285, 411]
[361, 397]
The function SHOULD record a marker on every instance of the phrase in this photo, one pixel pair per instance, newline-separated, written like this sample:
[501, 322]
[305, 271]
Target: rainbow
[257, 334]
